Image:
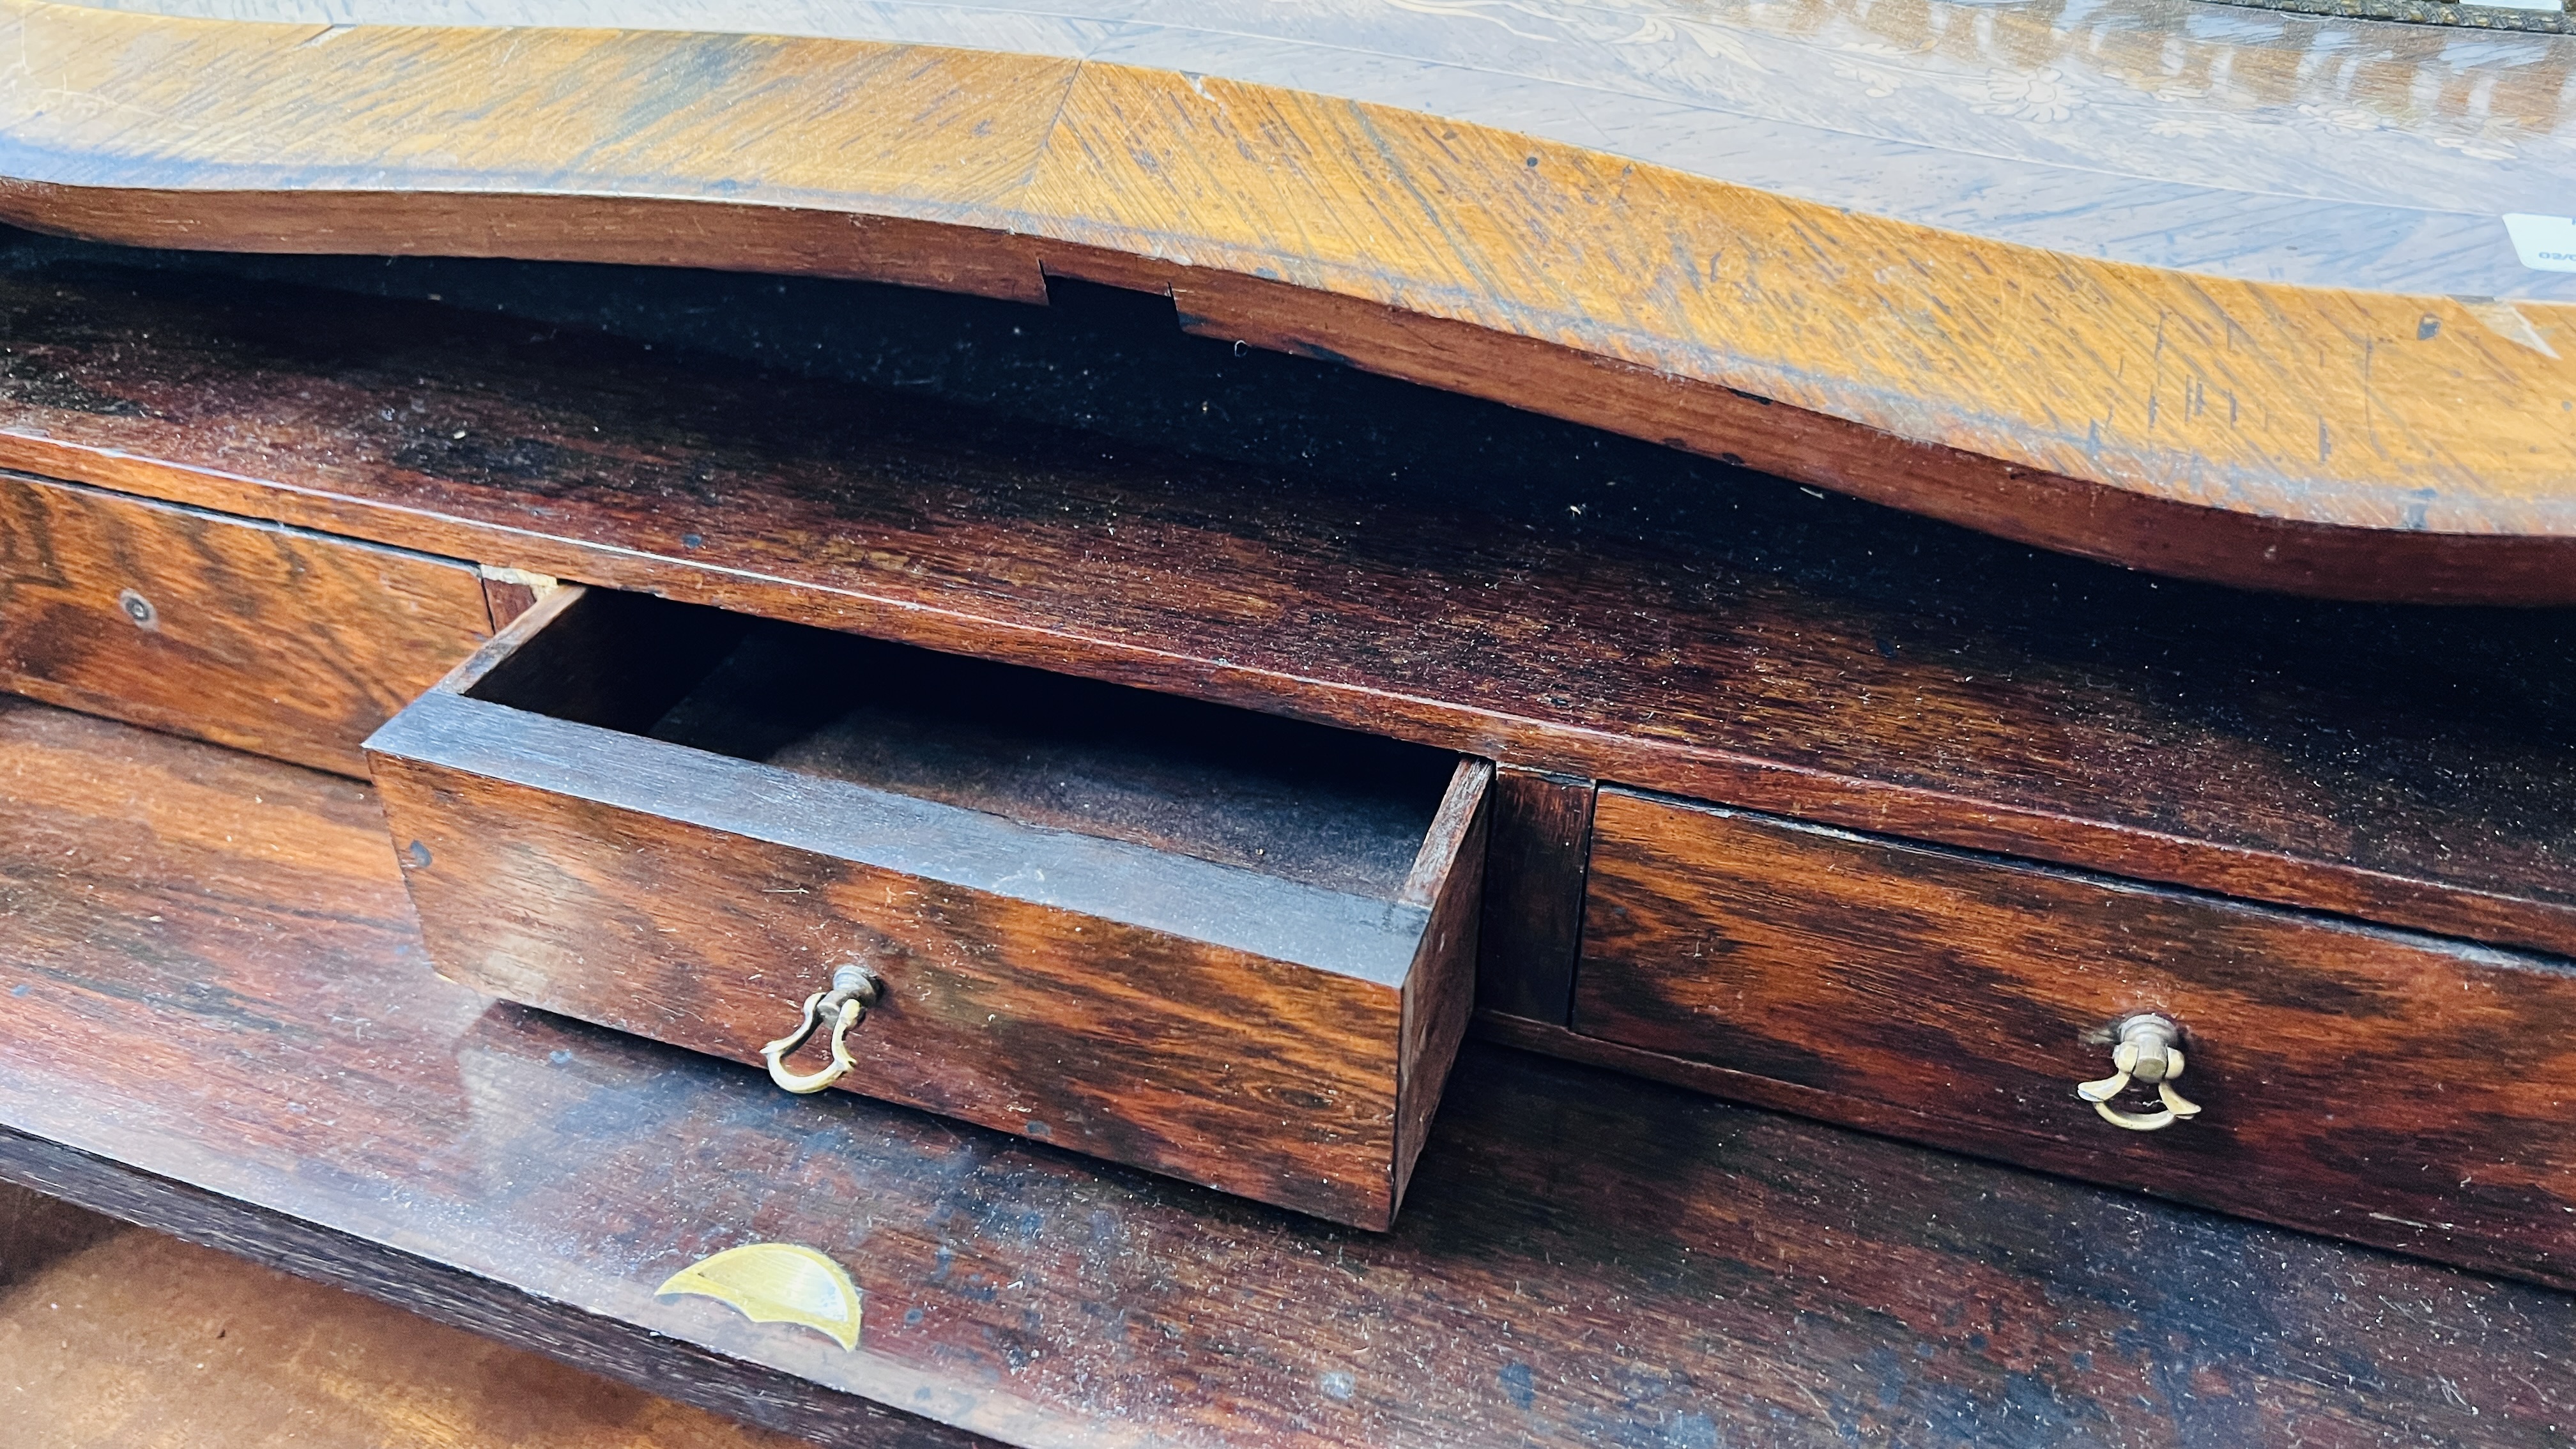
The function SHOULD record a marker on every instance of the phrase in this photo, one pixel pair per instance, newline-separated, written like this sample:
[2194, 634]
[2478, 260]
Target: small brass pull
[2149, 1051]
[845, 1005]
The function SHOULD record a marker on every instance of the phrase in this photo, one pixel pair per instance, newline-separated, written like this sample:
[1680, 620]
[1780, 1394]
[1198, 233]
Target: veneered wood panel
[2065, 511]
[1263, 1079]
[2394, 1089]
[2395, 441]
[249, 634]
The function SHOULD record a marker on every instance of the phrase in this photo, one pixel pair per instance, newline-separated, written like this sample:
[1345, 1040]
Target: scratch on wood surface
[2506, 321]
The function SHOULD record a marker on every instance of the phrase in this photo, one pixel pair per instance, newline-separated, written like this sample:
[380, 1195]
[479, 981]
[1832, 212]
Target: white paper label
[2545, 243]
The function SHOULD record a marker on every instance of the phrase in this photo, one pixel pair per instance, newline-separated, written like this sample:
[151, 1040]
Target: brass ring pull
[2149, 1051]
[845, 1005]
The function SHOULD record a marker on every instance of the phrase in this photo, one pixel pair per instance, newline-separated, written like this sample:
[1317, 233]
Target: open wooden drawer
[1231, 948]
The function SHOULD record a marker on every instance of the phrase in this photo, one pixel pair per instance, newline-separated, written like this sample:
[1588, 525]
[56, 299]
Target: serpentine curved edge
[2335, 440]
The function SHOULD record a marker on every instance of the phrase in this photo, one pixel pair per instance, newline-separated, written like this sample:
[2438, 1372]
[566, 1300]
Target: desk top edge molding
[2338, 442]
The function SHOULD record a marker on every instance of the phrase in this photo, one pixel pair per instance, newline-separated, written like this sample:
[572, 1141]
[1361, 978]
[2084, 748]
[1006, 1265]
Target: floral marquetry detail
[2042, 95]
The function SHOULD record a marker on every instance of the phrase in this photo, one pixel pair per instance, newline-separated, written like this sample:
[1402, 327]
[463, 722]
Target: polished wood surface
[1585, 1260]
[2394, 1089]
[1630, 617]
[248, 634]
[115, 1338]
[2223, 295]
[1542, 833]
[1281, 1031]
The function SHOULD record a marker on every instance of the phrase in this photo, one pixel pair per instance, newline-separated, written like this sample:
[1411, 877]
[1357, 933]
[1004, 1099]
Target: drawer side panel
[1440, 990]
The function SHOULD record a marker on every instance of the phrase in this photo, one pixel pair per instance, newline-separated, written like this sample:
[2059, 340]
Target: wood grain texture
[2368, 433]
[137, 1341]
[505, 598]
[1274, 1083]
[1951, 116]
[2407, 765]
[117, 837]
[248, 634]
[1242, 1030]
[1448, 880]
[484, 1306]
[1585, 1259]
[2393, 1089]
[1534, 894]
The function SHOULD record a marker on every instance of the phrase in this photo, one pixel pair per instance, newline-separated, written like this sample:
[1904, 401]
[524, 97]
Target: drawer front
[2395, 1089]
[1262, 1037]
[267, 639]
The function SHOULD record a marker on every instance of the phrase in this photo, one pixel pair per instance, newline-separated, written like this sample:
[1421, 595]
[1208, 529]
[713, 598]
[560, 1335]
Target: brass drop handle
[2149, 1050]
[845, 1005]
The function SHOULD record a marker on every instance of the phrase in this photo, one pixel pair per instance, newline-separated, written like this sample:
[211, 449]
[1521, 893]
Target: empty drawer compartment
[1219, 945]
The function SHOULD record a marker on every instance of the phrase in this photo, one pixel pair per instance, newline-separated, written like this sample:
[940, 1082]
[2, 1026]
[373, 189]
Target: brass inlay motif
[776, 1283]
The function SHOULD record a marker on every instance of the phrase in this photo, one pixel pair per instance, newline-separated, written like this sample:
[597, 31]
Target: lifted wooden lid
[2275, 300]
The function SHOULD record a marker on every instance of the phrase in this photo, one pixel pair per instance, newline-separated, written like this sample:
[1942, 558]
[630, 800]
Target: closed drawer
[269, 639]
[1221, 946]
[2397, 1089]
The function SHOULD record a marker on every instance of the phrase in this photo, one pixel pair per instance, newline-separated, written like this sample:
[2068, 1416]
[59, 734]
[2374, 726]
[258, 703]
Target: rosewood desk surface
[2262, 298]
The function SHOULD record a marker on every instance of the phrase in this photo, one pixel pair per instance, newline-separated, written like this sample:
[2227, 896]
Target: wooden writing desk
[270, 1066]
[1793, 799]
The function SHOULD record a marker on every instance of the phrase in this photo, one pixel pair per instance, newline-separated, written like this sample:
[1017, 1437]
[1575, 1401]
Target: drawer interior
[1301, 802]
